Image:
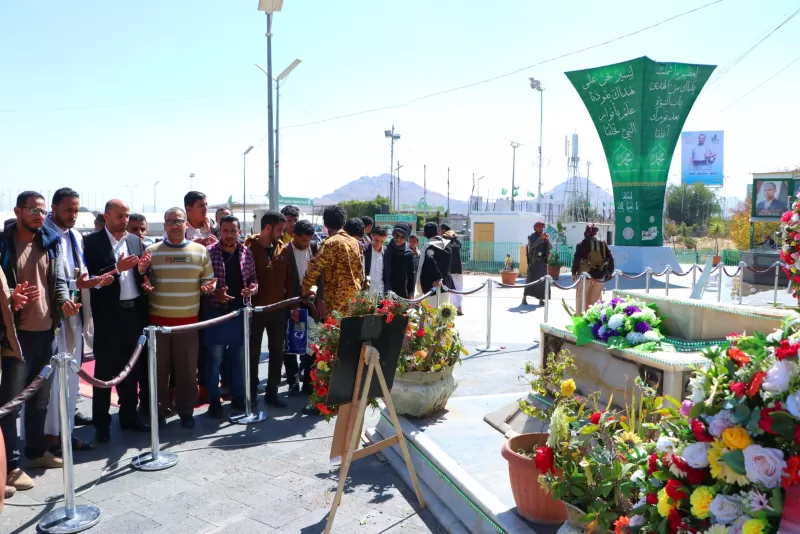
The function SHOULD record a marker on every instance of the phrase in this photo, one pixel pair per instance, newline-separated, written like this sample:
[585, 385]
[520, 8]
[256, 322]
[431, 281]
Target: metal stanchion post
[488, 348]
[156, 459]
[584, 284]
[694, 276]
[666, 280]
[616, 278]
[248, 417]
[648, 274]
[777, 276]
[438, 295]
[719, 282]
[71, 518]
[547, 281]
[741, 281]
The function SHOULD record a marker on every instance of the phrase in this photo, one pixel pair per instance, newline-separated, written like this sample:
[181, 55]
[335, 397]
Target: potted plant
[508, 275]
[716, 229]
[553, 266]
[431, 349]
[550, 388]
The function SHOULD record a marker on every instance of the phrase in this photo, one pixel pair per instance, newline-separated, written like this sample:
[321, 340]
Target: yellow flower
[736, 438]
[568, 387]
[753, 526]
[628, 438]
[719, 469]
[701, 500]
[664, 504]
[322, 366]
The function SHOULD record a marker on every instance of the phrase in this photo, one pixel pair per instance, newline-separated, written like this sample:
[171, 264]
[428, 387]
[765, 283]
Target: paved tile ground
[275, 476]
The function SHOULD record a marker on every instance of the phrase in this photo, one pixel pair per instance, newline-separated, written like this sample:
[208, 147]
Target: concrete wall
[509, 227]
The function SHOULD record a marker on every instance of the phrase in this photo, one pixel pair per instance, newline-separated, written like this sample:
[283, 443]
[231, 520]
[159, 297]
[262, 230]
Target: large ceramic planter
[421, 394]
[509, 278]
[532, 502]
[554, 271]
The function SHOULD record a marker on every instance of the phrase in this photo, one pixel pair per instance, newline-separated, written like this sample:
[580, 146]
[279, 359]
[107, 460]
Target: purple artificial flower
[613, 303]
[596, 330]
[686, 407]
[603, 317]
[642, 327]
[609, 334]
[630, 310]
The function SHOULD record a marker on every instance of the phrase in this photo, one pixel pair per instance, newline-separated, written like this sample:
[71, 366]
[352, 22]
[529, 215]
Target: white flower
[793, 403]
[720, 422]
[665, 444]
[634, 338]
[696, 455]
[717, 529]
[795, 218]
[779, 375]
[776, 336]
[764, 465]
[637, 521]
[697, 384]
[637, 476]
[616, 321]
[651, 335]
[725, 509]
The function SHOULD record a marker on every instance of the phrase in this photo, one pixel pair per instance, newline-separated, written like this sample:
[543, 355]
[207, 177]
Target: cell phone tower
[574, 208]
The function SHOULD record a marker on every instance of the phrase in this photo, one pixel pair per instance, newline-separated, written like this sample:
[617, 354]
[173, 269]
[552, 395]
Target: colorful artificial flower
[725, 509]
[738, 388]
[786, 349]
[700, 501]
[736, 438]
[595, 417]
[764, 465]
[754, 526]
[738, 356]
[700, 432]
[675, 490]
[719, 469]
[621, 525]
[765, 422]
[791, 473]
[544, 459]
[755, 384]
[568, 387]
[665, 505]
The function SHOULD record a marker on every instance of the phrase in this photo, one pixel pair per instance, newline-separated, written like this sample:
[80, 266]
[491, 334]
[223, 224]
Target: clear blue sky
[162, 60]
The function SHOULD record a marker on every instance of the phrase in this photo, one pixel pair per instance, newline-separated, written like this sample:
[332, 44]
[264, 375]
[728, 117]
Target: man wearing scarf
[538, 252]
[434, 265]
[398, 263]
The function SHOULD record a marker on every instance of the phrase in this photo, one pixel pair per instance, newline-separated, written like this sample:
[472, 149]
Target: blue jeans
[221, 356]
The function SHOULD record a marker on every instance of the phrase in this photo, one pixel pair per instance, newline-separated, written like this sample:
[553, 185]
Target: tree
[717, 229]
[692, 204]
[364, 208]
[739, 226]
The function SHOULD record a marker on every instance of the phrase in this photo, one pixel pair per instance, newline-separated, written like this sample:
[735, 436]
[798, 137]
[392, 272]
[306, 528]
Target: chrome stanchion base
[488, 349]
[244, 419]
[145, 461]
[57, 522]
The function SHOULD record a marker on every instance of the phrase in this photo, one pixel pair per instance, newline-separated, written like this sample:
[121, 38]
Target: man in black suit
[119, 311]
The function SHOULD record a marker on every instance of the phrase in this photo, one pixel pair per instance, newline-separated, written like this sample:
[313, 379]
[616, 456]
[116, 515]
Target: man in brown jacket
[271, 270]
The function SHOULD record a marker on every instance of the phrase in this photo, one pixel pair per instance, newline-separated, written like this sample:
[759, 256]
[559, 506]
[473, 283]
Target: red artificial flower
[738, 388]
[786, 350]
[652, 463]
[700, 432]
[544, 459]
[755, 385]
[621, 525]
[786, 217]
[734, 335]
[323, 408]
[595, 417]
[313, 375]
[695, 477]
[766, 420]
[791, 473]
[675, 521]
[421, 332]
[389, 317]
[797, 434]
[652, 499]
[738, 356]
[675, 490]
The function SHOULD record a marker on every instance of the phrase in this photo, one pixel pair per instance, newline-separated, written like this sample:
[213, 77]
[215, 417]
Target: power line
[760, 85]
[517, 71]
[725, 70]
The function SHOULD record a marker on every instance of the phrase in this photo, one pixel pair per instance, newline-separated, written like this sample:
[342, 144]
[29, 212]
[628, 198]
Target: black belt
[125, 304]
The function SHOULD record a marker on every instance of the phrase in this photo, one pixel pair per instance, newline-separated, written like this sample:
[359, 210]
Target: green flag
[551, 196]
[515, 193]
[230, 200]
[504, 191]
[531, 195]
[541, 196]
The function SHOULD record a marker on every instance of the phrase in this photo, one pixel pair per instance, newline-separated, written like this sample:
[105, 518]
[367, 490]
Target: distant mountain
[368, 187]
[597, 194]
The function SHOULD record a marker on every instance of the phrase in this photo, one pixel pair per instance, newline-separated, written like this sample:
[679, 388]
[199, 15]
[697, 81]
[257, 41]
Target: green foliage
[545, 382]
[717, 229]
[364, 208]
[691, 204]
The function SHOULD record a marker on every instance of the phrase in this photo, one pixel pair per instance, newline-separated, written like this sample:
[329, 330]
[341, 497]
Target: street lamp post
[244, 185]
[394, 137]
[191, 181]
[514, 146]
[154, 195]
[537, 85]
[130, 187]
[269, 7]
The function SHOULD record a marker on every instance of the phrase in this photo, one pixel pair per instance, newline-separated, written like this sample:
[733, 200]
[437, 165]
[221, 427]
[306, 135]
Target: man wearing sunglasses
[31, 256]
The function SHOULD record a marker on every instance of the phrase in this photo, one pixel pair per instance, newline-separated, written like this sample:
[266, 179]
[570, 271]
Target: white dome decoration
[628, 219]
[652, 219]
[627, 233]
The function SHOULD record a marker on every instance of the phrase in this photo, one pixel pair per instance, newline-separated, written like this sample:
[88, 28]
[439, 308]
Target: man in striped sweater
[180, 272]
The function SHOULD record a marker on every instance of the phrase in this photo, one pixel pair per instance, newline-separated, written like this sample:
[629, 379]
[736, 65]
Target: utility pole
[588, 204]
[425, 184]
[394, 137]
[448, 191]
[514, 146]
[537, 85]
[399, 205]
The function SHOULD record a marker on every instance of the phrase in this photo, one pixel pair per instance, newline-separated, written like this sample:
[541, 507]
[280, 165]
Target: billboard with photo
[771, 197]
[702, 157]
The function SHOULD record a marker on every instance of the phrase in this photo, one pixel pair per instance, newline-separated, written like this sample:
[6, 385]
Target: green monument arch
[639, 107]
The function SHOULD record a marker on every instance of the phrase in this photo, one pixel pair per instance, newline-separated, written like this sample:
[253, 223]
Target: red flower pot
[532, 502]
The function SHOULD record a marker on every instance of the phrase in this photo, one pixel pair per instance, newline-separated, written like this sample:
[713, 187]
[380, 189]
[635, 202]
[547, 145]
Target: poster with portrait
[771, 198]
[702, 157]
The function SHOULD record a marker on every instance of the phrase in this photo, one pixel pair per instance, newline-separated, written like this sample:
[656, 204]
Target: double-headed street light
[389, 134]
[537, 86]
[269, 7]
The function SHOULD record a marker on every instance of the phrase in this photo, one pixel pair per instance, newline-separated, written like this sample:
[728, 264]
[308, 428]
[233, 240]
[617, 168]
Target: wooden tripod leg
[356, 393]
[387, 398]
[351, 446]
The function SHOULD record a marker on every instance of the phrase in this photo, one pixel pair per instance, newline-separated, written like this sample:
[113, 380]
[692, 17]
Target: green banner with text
[639, 108]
